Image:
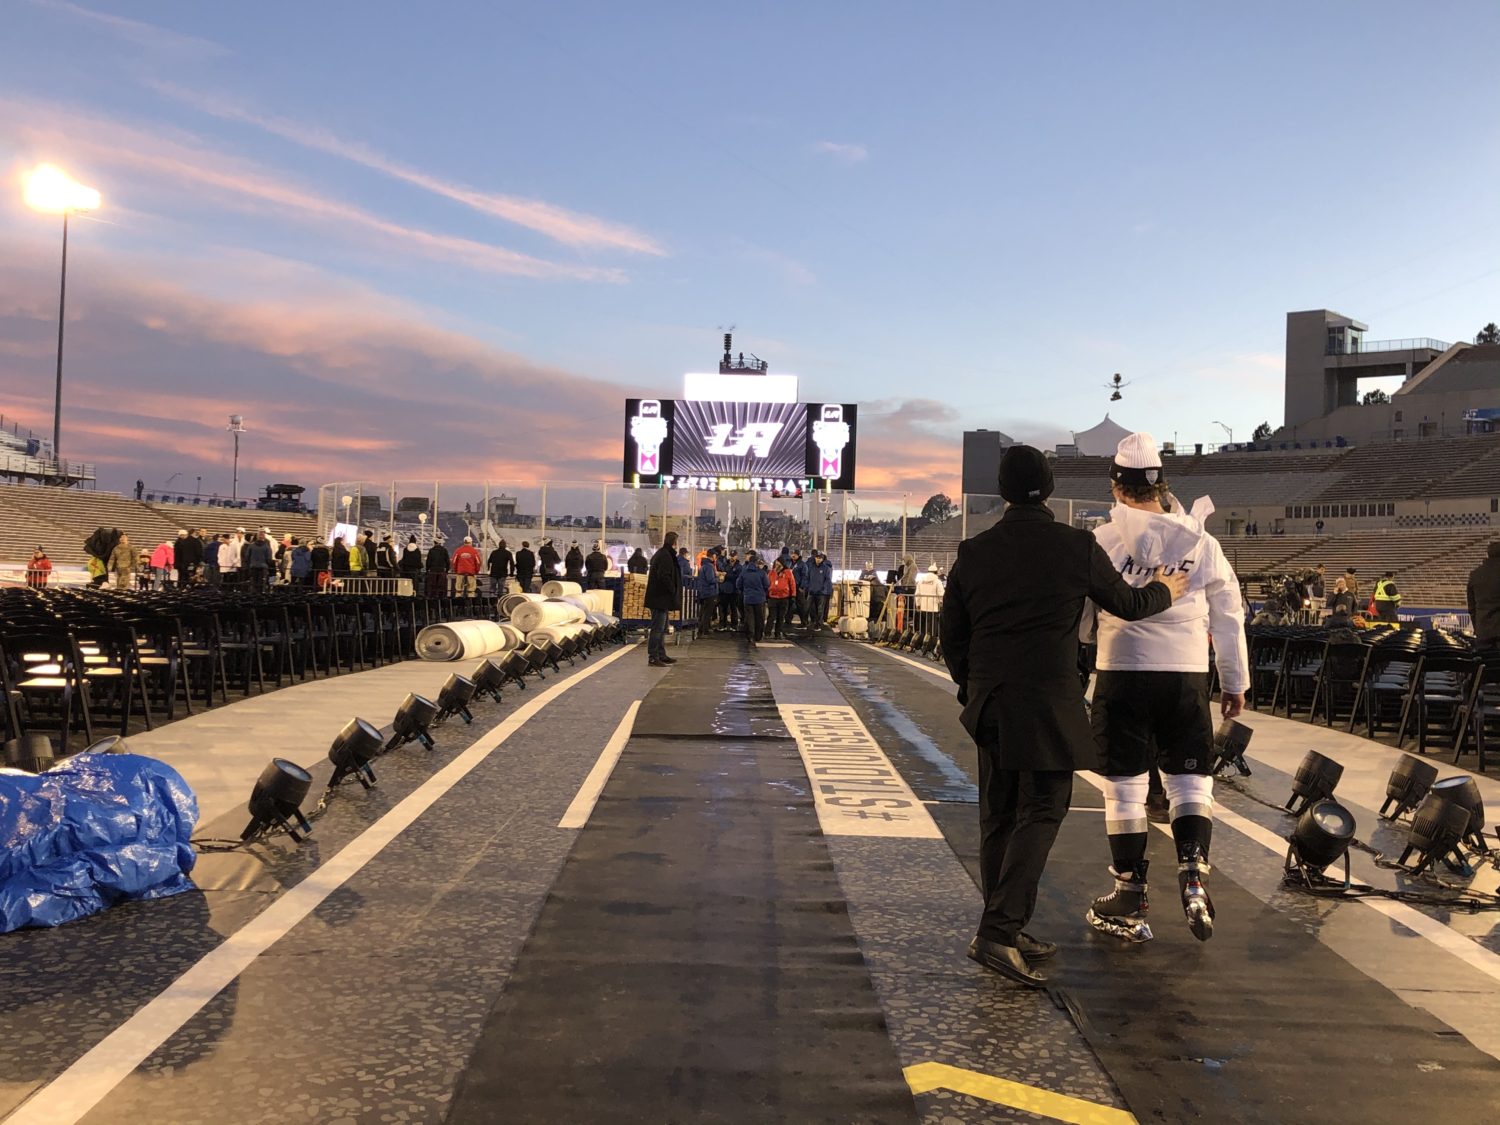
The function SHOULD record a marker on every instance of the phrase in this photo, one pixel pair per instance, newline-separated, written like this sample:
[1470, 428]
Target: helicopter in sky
[1116, 385]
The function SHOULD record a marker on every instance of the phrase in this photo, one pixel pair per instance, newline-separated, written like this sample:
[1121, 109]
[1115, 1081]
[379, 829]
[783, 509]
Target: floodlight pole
[62, 304]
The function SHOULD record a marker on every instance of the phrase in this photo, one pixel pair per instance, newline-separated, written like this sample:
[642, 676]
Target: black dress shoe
[1005, 960]
[1034, 949]
[667, 659]
[655, 663]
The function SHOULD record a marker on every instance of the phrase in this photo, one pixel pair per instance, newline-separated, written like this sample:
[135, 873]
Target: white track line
[588, 793]
[1444, 937]
[88, 1081]
[789, 669]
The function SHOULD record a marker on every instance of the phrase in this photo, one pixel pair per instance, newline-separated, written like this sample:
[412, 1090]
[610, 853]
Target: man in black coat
[437, 562]
[525, 566]
[549, 558]
[597, 567]
[502, 565]
[187, 554]
[1010, 639]
[663, 596]
[1484, 599]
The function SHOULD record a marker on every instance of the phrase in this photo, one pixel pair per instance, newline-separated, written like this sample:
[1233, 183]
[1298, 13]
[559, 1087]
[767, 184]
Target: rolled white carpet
[510, 601]
[460, 640]
[556, 633]
[537, 615]
[557, 589]
[600, 601]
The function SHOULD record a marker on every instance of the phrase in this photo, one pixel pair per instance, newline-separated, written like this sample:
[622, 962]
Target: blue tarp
[96, 830]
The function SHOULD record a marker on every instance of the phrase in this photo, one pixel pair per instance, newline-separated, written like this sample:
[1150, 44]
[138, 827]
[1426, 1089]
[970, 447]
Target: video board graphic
[758, 445]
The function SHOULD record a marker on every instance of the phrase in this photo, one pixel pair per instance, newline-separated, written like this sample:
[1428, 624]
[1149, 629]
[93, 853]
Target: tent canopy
[1102, 440]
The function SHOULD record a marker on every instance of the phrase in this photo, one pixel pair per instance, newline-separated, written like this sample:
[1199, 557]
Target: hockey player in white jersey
[1151, 694]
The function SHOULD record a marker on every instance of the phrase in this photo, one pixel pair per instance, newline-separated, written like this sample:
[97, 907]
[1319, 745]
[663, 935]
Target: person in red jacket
[783, 593]
[466, 566]
[38, 570]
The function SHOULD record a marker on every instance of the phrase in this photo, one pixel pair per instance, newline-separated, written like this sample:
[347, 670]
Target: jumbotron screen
[740, 446]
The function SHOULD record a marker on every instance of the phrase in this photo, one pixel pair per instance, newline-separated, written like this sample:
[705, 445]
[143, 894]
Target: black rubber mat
[695, 961]
[1262, 1023]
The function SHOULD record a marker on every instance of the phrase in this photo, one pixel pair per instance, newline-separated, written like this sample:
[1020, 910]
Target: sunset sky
[447, 240]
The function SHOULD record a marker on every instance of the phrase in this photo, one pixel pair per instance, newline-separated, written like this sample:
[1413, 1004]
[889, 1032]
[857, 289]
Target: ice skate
[1122, 912]
[1196, 904]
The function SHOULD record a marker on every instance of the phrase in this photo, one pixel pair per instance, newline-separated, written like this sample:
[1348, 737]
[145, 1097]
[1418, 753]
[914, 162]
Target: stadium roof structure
[1101, 440]
[1463, 367]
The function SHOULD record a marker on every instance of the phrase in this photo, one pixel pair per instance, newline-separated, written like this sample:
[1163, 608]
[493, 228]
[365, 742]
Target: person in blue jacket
[729, 593]
[706, 586]
[819, 587]
[755, 588]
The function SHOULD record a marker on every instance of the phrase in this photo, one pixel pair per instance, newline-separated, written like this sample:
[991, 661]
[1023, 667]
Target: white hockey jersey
[1141, 544]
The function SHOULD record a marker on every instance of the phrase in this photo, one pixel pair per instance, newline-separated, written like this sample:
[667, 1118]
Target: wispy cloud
[148, 35]
[571, 228]
[847, 153]
[178, 164]
[788, 267]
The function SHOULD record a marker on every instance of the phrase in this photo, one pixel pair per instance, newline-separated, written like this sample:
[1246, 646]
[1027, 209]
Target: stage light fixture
[1230, 742]
[550, 652]
[412, 719]
[1436, 831]
[488, 678]
[352, 751]
[1316, 779]
[535, 658]
[515, 665]
[1463, 790]
[1321, 837]
[1407, 785]
[276, 801]
[454, 699]
[31, 752]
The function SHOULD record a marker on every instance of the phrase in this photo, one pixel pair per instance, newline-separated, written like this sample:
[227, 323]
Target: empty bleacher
[1414, 470]
[60, 519]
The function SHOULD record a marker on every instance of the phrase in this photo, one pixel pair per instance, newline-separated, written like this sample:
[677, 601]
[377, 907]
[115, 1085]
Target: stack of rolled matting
[538, 615]
[463, 640]
[600, 601]
[556, 589]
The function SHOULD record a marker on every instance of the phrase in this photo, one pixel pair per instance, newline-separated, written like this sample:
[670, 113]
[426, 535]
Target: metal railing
[1416, 343]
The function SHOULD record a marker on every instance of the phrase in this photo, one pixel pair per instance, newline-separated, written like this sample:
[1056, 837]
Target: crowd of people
[1305, 597]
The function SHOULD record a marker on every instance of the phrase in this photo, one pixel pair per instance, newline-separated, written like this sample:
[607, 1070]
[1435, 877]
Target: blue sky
[447, 239]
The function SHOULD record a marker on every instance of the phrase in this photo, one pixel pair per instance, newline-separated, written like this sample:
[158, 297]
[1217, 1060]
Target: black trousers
[780, 615]
[755, 621]
[1020, 812]
[707, 608]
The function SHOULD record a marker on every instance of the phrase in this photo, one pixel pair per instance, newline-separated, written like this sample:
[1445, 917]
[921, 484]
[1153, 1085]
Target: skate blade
[1132, 929]
[1200, 920]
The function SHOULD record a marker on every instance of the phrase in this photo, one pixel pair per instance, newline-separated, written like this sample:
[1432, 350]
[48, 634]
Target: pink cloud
[569, 227]
[185, 165]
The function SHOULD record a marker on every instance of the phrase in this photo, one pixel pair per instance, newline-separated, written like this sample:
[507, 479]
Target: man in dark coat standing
[187, 554]
[596, 567]
[502, 565]
[663, 595]
[1484, 599]
[1010, 639]
[525, 566]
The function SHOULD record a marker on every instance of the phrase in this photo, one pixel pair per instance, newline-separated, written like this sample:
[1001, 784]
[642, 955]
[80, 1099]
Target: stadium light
[49, 189]
[236, 427]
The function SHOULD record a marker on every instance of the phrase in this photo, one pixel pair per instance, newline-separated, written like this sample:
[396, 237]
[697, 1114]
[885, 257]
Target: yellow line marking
[926, 1077]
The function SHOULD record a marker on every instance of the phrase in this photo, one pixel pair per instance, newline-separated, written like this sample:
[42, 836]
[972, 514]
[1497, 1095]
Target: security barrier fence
[857, 530]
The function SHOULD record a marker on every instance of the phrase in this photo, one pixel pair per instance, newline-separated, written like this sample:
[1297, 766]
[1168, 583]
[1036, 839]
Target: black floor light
[1230, 741]
[413, 717]
[454, 698]
[1464, 791]
[276, 801]
[488, 678]
[352, 751]
[515, 665]
[1407, 785]
[110, 744]
[1316, 779]
[1437, 829]
[1321, 837]
[31, 752]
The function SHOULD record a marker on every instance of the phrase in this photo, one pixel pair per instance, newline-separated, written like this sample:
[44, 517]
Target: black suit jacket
[1010, 635]
[664, 581]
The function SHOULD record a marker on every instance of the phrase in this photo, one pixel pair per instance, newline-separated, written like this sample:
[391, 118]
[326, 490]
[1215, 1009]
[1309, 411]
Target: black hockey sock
[1126, 851]
[1192, 834]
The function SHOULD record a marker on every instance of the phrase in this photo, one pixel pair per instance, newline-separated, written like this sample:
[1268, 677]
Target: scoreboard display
[740, 446]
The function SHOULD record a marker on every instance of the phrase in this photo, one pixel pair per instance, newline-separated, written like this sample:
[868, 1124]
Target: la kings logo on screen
[756, 439]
